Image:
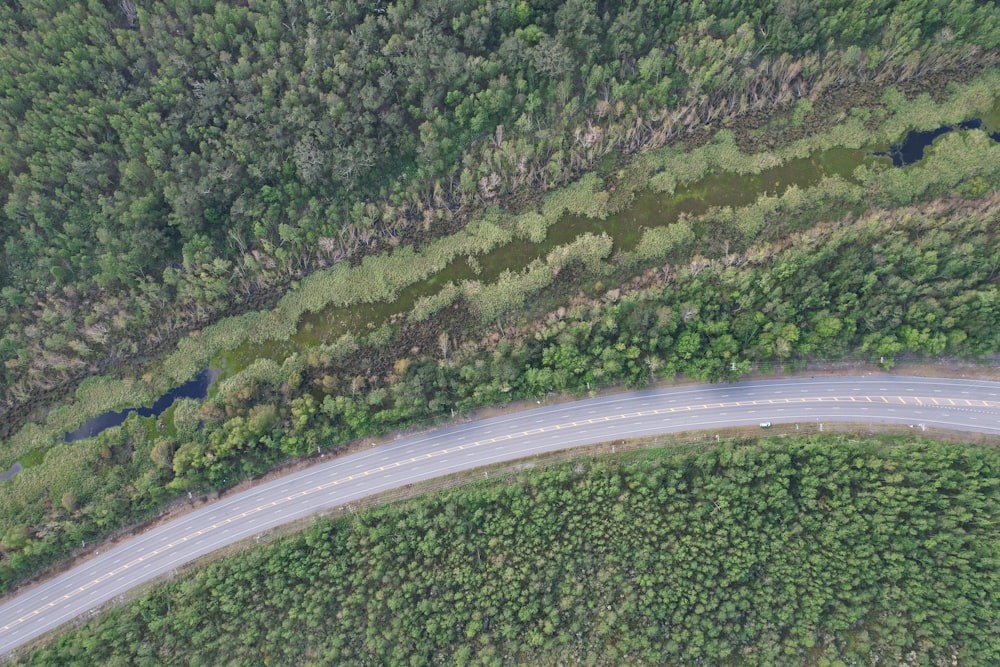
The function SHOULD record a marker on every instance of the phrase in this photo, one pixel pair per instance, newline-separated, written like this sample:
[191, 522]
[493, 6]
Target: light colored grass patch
[426, 306]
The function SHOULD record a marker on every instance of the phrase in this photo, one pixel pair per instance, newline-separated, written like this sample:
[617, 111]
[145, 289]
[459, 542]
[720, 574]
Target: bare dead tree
[444, 342]
[128, 8]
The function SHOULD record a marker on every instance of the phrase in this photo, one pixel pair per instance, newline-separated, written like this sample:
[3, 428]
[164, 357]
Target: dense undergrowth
[823, 550]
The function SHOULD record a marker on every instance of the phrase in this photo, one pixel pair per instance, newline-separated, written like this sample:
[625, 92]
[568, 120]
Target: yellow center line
[480, 443]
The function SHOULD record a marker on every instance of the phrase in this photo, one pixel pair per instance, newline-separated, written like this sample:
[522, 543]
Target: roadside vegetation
[819, 550]
[879, 261]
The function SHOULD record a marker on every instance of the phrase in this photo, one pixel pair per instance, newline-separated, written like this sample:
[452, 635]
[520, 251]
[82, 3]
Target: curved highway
[966, 405]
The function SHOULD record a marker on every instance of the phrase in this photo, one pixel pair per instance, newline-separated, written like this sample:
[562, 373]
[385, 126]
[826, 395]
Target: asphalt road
[965, 405]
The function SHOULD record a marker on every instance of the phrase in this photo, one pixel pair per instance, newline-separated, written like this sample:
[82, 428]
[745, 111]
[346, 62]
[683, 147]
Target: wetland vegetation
[881, 262]
[169, 164]
[365, 228]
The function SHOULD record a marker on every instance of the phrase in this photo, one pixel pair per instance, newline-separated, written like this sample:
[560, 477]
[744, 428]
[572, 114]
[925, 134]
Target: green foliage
[99, 394]
[378, 278]
[923, 113]
[954, 158]
[825, 292]
[508, 292]
[427, 306]
[532, 226]
[818, 550]
[166, 165]
[185, 417]
[582, 197]
[660, 243]
[340, 348]
[587, 249]
[262, 370]
[194, 353]
[298, 218]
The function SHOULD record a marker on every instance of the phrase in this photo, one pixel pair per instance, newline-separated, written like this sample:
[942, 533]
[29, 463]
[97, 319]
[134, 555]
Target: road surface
[966, 405]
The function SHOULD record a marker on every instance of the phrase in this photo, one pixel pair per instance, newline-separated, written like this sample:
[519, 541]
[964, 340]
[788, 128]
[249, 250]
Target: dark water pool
[10, 472]
[912, 147]
[196, 389]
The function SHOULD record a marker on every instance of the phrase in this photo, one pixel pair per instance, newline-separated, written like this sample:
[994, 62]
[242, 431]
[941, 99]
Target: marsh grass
[583, 197]
[344, 346]
[427, 306]
[509, 292]
[532, 226]
[977, 98]
[588, 249]
[65, 470]
[183, 420]
[31, 436]
[265, 371]
[957, 157]
[659, 243]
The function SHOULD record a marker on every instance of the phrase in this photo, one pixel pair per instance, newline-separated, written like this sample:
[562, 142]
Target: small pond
[196, 389]
[10, 472]
[912, 147]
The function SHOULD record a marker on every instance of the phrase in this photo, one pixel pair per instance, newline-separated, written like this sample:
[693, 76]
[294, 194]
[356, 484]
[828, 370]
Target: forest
[820, 550]
[812, 273]
[130, 472]
[194, 182]
[191, 159]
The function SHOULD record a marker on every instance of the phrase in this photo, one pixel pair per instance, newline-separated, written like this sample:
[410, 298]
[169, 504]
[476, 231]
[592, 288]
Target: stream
[649, 209]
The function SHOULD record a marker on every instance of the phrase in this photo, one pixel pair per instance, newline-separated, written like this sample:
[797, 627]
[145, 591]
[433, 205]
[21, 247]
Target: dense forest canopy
[169, 157]
[811, 551]
[167, 164]
[132, 139]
